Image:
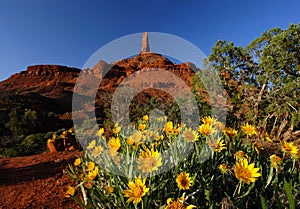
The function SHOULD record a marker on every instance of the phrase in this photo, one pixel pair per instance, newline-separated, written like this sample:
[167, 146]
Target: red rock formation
[49, 88]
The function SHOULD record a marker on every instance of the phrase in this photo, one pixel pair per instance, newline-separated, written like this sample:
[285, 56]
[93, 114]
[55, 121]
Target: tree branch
[256, 105]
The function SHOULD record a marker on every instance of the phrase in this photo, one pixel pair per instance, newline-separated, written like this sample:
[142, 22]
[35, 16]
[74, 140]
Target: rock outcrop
[50, 70]
[65, 142]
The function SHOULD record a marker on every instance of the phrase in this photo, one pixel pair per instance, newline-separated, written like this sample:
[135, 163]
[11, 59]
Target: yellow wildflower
[249, 129]
[190, 135]
[216, 145]
[136, 191]
[178, 204]
[184, 181]
[268, 138]
[142, 126]
[290, 148]
[149, 160]
[91, 166]
[177, 130]
[100, 132]
[209, 120]
[169, 200]
[93, 173]
[145, 118]
[230, 132]
[129, 141]
[158, 137]
[224, 168]
[110, 189]
[256, 146]
[219, 126]
[275, 161]
[77, 162]
[136, 137]
[206, 129]
[91, 145]
[97, 151]
[116, 128]
[245, 172]
[70, 192]
[240, 155]
[114, 143]
[169, 128]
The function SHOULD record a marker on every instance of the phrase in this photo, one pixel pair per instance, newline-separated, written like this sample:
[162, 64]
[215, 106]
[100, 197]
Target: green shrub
[9, 152]
[33, 144]
[22, 124]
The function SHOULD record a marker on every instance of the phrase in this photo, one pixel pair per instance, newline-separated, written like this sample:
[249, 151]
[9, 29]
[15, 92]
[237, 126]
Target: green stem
[237, 189]
[294, 161]
[83, 194]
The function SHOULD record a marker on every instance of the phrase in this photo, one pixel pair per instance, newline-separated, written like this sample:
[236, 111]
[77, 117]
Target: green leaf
[207, 195]
[212, 206]
[288, 186]
[277, 199]
[270, 177]
[248, 191]
[263, 202]
[79, 202]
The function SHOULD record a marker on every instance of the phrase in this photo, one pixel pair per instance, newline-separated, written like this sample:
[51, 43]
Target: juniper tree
[262, 80]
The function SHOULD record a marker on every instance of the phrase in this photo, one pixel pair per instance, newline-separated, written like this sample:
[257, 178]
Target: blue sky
[68, 32]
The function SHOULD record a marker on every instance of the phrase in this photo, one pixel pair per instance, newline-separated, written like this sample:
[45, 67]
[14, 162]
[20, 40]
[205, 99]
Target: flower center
[138, 191]
[184, 182]
[287, 148]
[189, 136]
[245, 173]
[152, 161]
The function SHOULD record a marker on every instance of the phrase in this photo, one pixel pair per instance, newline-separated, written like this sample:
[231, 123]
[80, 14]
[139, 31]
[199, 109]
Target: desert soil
[37, 181]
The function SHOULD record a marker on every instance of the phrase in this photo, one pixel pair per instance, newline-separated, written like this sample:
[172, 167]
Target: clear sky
[68, 32]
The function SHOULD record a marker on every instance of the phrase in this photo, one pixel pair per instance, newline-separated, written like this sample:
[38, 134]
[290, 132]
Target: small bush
[9, 152]
[33, 144]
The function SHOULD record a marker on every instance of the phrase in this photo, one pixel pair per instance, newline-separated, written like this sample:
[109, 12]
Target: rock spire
[145, 43]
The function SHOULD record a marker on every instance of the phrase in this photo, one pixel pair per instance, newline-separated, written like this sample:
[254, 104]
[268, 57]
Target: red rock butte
[49, 88]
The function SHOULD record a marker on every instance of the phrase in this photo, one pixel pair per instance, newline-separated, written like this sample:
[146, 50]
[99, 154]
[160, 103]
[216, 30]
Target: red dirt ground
[37, 181]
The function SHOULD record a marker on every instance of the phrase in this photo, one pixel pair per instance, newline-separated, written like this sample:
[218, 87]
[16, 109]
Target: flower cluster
[224, 162]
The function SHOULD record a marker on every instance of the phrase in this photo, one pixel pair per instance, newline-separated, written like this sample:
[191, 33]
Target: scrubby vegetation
[25, 131]
[21, 135]
[24, 134]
